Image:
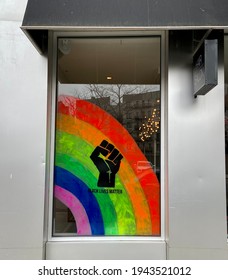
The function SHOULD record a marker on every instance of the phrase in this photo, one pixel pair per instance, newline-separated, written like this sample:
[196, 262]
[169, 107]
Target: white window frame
[52, 93]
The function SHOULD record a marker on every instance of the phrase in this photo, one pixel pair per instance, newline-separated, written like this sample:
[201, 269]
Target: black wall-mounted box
[205, 67]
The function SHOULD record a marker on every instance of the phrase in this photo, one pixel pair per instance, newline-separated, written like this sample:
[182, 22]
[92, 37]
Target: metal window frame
[52, 88]
[225, 36]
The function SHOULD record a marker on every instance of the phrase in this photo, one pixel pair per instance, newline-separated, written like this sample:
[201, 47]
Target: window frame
[52, 98]
[225, 89]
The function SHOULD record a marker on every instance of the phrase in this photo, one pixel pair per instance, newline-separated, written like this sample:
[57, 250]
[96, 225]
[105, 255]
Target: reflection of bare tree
[136, 107]
[110, 97]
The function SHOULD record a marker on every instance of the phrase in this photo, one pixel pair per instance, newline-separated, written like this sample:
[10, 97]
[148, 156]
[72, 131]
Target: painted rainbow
[134, 207]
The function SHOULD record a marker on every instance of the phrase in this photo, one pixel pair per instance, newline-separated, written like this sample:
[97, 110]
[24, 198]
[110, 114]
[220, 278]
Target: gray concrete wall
[196, 159]
[23, 92]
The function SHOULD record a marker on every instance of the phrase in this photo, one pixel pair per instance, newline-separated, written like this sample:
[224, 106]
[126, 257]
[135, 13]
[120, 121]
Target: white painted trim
[76, 241]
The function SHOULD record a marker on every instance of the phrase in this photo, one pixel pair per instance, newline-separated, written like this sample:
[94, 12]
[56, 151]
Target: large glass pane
[107, 147]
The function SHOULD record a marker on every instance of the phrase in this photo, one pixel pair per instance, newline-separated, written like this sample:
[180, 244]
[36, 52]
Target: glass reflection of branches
[136, 107]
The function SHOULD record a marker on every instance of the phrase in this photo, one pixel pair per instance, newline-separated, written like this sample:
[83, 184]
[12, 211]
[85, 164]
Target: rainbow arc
[134, 208]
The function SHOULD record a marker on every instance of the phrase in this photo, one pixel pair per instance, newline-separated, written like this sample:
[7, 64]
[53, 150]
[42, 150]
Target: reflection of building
[138, 107]
[103, 102]
[139, 113]
[100, 101]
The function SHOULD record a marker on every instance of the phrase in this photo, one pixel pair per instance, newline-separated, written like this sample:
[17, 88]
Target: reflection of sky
[82, 91]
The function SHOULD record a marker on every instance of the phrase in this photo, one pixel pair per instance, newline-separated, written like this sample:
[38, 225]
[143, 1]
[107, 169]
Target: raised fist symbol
[107, 160]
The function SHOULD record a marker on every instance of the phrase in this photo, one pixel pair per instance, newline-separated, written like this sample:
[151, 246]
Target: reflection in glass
[121, 76]
[136, 107]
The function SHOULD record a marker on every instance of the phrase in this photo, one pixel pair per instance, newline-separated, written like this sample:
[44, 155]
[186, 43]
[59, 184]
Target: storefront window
[107, 143]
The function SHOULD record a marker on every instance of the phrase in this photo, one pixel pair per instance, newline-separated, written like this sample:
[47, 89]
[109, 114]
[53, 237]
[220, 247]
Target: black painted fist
[107, 160]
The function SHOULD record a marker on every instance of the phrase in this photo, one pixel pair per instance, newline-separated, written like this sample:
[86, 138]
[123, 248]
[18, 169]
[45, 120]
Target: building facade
[109, 151]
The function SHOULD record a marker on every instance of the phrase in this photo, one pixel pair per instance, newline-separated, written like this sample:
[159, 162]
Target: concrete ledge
[197, 254]
[106, 250]
[21, 254]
